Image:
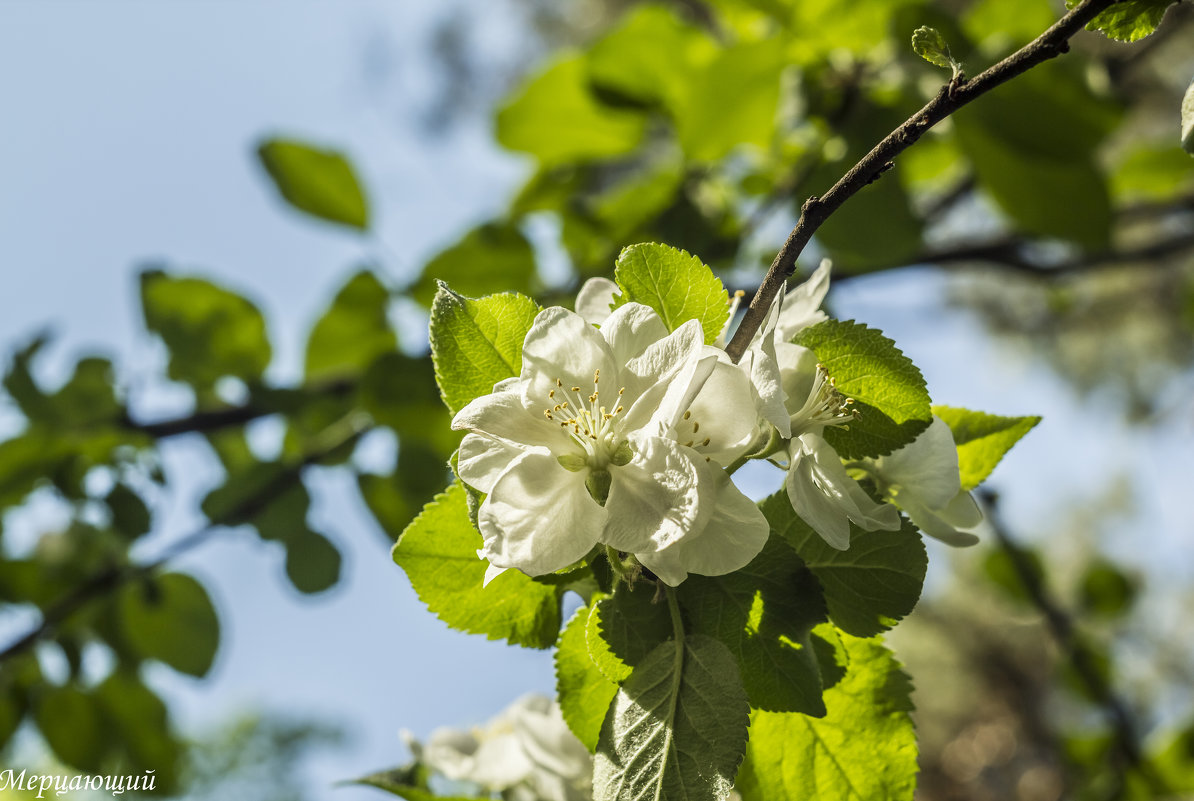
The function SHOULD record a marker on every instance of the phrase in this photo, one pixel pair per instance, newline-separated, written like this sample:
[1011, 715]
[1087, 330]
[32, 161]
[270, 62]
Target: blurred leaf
[765, 613]
[438, 551]
[1019, 21]
[319, 182]
[867, 588]
[677, 727]
[649, 58]
[1106, 590]
[584, 693]
[677, 285]
[141, 723]
[889, 392]
[982, 440]
[1000, 569]
[12, 710]
[732, 101]
[1128, 20]
[555, 118]
[171, 619]
[494, 257]
[1033, 148]
[353, 332]
[476, 343]
[864, 748]
[73, 726]
[130, 515]
[312, 562]
[209, 331]
[1154, 171]
[877, 227]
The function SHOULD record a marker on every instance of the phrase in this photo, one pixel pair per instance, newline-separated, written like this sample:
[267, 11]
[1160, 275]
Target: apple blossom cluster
[621, 433]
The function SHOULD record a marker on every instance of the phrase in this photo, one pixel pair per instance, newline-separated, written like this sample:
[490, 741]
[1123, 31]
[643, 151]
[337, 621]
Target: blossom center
[825, 406]
[592, 426]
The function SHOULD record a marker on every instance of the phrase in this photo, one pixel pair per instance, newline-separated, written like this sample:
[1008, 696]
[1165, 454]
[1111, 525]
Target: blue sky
[127, 138]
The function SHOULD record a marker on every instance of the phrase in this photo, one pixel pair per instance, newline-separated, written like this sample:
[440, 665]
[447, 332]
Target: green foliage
[73, 725]
[863, 749]
[319, 182]
[867, 588]
[677, 285]
[353, 332]
[765, 614]
[888, 390]
[1033, 146]
[1129, 20]
[476, 343]
[677, 727]
[1156, 171]
[209, 331]
[583, 692]
[171, 619]
[982, 440]
[130, 515]
[141, 721]
[438, 551]
[494, 257]
[555, 118]
[1106, 590]
[623, 628]
[929, 44]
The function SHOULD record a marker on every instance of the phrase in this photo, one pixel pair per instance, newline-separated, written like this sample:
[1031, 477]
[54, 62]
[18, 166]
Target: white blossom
[922, 478]
[527, 751]
[614, 436]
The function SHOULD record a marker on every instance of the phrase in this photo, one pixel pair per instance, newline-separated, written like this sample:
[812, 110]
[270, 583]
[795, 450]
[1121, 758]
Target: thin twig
[112, 578]
[1062, 628]
[952, 97]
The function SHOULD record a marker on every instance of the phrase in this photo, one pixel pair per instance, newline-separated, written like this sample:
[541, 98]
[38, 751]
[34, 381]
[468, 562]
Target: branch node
[809, 205]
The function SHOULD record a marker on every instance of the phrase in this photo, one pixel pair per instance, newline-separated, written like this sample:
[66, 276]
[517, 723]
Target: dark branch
[952, 97]
[1064, 632]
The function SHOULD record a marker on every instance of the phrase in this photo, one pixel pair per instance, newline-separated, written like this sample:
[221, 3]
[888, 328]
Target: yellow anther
[688, 444]
[617, 410]
[576, 389]
[687, 415]
[696, 427]
[551, 394]
[706, 442]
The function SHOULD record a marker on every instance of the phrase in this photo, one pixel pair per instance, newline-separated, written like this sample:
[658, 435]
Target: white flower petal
[722, 413]
[817, 475]
[815, 507]
[655, 499]
[962, 511]
[732, 536]
[631, 329]
[562, 347]
[504, 415]
[539, 517]
[595, 298]
[930, 522]
[761, 364]
[482, 459]
[802, 305]
[663, 379]
[926, 467]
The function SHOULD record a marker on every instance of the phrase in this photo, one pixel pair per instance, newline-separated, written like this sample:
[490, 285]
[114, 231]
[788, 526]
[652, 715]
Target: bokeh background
[128, 140]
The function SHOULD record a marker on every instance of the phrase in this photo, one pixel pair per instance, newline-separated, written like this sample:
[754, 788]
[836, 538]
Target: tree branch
[110, 579]
[1064, 632]
[952, 97]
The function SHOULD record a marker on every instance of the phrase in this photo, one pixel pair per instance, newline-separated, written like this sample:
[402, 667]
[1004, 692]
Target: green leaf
[493, 257]
[312, 562]
[397, 782]
[733, 100]
[862, 750]
[1159, 170]
[765, 613]
[438, 551]
[649, 58]
[73, 726]
[130, 515]
[1034, 147]
[353, 332]
[583, 692]
[1128, 20]
[171, 619]
[319, 182]
[677, 285]
[888, 390]
[209, 331]
[867, 588]
[677, 727]
[12, 711]
[982, 440]
[1106, 590]
[623, 628]
[142, 722]
[929, 44]
[476, 343]
[555, 118]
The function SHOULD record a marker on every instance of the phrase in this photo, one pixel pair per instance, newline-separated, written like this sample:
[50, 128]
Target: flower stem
[615, 563]
[673, 606]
